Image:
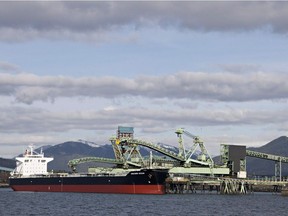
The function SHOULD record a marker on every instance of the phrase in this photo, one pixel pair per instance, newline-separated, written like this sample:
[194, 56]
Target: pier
[233, 186]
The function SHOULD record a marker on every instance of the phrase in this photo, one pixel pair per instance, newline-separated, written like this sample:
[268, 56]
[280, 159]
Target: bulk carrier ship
[132, 174]
[31, 174]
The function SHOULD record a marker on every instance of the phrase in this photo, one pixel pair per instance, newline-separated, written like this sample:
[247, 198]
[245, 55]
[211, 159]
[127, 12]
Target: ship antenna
[151, 160]
[31, 149]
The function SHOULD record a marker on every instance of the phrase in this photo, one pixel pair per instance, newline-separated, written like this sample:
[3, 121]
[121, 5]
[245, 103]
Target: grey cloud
[84, 20]
[28, 88]
[16, 119]
[239, 68]
[8, 68]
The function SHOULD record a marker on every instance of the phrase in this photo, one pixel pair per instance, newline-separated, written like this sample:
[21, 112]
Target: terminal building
[234, 157]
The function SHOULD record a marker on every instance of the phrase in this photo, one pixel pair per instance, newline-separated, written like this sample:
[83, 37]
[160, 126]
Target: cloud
[90, 20]
[221, 86]
[239, 68]
[43, 126]
[35, 120]
[8, 68]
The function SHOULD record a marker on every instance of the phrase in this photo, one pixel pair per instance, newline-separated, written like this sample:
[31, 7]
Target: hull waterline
[120, 189]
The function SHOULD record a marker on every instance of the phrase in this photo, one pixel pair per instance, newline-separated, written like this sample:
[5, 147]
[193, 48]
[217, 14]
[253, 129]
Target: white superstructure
[32, 163]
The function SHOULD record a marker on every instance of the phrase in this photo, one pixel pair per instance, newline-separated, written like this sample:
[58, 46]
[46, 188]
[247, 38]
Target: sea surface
[38, 203]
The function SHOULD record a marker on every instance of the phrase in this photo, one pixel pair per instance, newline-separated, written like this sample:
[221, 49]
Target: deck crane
[203, 159]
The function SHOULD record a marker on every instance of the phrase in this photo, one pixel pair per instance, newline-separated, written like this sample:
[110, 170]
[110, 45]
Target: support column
[278, 170]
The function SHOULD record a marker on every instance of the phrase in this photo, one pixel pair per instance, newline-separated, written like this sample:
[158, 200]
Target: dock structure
[190, 184]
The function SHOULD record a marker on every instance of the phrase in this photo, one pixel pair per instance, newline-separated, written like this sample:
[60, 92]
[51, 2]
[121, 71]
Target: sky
[78, 70]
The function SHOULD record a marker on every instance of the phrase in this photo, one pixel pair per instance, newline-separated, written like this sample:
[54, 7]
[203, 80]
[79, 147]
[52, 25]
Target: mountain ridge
[69, 150]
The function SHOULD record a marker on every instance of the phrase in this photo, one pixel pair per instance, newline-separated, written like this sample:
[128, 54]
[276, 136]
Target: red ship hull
[121, 189]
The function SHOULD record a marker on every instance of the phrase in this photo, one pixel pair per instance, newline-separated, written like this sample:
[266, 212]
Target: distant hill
[8, 163]
[256, 166]
[64, 152]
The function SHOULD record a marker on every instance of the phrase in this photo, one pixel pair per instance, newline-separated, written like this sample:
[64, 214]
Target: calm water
[29, 203]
